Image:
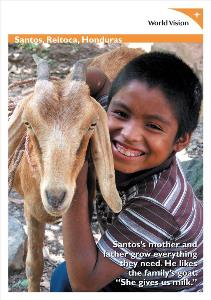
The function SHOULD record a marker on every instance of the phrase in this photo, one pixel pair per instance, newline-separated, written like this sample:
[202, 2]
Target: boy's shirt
[158, 232]
[158, 229]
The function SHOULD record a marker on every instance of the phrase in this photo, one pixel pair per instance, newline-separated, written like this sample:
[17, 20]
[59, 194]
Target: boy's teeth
[127, 152]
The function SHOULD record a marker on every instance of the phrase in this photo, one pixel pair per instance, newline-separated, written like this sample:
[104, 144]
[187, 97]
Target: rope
[14, 161]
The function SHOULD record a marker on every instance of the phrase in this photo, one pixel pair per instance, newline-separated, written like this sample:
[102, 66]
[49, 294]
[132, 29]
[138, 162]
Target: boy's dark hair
[173, 77]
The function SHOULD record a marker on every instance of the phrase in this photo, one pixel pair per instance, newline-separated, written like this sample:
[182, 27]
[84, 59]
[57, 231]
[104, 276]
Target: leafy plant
[23, 283]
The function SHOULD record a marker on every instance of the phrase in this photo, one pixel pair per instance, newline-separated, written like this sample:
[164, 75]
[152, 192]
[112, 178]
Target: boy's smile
[142, 128]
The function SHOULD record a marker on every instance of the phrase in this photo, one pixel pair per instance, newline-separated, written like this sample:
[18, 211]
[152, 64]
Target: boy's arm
[87, 268]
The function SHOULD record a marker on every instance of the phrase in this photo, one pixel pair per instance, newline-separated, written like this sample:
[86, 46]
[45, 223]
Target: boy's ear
[182, 142]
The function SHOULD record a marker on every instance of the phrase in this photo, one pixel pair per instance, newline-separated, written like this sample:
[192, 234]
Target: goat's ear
[103, 162]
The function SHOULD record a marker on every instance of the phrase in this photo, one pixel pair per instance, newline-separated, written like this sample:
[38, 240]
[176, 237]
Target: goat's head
[61, 119]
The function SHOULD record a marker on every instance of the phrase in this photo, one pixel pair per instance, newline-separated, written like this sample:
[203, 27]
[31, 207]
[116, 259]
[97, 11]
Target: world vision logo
[195, 14]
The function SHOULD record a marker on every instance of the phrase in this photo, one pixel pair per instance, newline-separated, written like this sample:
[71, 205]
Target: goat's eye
[92, 126]
[28, 125]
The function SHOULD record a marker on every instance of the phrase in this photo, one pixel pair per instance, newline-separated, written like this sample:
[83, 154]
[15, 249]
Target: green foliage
[31, 48]
[23, 283]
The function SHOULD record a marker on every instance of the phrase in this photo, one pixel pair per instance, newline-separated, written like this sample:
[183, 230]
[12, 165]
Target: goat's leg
[34, 259]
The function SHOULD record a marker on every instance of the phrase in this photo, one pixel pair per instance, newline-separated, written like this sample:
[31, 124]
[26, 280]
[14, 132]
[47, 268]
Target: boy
[155, 242]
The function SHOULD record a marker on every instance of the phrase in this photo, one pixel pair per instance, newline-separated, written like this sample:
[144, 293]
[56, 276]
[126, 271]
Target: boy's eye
[154, 126]
[121, 114]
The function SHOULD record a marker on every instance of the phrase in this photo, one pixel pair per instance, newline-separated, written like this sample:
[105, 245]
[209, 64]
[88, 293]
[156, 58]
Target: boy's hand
[98, 82]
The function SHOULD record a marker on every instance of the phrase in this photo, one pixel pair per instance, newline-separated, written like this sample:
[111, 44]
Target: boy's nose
[132, 133]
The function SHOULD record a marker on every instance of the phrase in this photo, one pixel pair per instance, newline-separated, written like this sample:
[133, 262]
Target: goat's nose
[55, 198]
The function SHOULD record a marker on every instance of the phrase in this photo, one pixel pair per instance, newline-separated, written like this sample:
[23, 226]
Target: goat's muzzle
[55, 198]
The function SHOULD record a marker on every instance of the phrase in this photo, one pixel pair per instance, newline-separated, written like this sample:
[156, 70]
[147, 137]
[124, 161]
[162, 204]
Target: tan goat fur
[59, 118]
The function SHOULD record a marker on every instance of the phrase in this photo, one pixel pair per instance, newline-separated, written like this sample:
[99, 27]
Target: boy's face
[142, 128]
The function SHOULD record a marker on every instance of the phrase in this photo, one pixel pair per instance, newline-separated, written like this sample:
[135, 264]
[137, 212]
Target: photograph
[105, 165]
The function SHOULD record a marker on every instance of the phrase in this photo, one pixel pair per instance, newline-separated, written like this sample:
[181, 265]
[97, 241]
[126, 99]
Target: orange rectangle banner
[104, 38]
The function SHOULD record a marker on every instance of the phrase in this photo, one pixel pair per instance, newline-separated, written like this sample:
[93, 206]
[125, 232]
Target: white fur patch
[57, 137]
[43, 89]
[73, 87]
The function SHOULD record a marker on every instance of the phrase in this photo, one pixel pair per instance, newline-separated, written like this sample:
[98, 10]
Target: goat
[56, 123]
